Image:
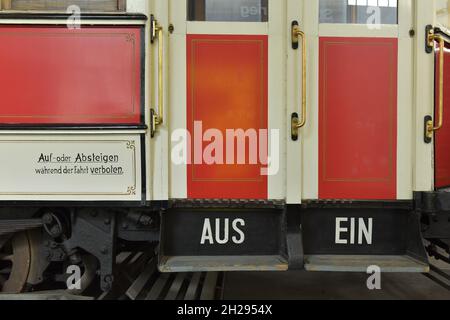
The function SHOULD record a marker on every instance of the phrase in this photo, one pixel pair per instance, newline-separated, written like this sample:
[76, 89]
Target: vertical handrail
[157, 117]
[298, 123]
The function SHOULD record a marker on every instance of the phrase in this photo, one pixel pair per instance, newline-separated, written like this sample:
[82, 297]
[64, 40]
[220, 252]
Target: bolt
[55, 231]
[109, 278]
[171, 28]
[146, 221]
[107, 221]
[104, 250]
[47, 218]
[107, 282]
[125, 226]
[412, 33]
[75, 258]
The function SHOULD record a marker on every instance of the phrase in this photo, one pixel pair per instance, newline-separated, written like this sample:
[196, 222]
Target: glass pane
[359, 11]
[228, 10]
[442, 13]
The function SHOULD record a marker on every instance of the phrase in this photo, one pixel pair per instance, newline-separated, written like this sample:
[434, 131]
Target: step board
[222, 263]
[352, 263]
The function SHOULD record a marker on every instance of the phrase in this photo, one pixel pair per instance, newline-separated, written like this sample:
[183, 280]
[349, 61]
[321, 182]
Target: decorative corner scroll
[132, 191]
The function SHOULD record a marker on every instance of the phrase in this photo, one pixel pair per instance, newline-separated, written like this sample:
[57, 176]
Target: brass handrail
[298, 123]
[430, 125]
[157, 118]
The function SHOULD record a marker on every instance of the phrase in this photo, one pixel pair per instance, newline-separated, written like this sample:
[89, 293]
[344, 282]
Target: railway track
[138, 279]
[439, 276]
[439, 253]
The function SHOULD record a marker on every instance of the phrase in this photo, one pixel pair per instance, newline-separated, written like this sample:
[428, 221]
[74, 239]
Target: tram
[236, 135]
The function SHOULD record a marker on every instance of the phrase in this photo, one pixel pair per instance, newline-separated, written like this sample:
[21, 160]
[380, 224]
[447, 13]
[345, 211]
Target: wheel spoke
[4, 257]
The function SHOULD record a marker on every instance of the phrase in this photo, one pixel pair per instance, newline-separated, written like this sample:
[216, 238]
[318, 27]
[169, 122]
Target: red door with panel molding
[442, 138]
[358, 118]
[227, 85]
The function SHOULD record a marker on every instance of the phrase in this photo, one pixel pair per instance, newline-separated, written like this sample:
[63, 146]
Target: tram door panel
[225, 83]
[359, 100]
[235, 81]
[442, 137]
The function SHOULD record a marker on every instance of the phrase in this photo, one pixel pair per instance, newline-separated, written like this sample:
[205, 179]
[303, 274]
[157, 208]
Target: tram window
[63, 5]
[443, 13]
[228, 10]
[359, 11]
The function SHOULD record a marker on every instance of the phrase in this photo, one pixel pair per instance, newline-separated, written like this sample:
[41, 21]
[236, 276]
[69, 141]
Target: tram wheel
[15, 261]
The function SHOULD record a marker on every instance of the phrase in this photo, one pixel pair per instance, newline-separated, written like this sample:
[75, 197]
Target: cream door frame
[305, 169]
[176, 57]
[423, 170]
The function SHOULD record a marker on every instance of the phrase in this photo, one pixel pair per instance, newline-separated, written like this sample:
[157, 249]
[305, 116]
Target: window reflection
[228, 10]
[359, 11]
[442, 12]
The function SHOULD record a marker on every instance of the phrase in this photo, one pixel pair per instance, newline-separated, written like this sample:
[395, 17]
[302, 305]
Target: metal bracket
[294, 239]
[428, 129]
[153, 28]
[295, 120]
[95, 232]
[429, 47]
[153, 118]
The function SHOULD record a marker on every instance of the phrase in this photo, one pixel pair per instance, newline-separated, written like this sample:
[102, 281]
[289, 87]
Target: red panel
[443, 136]
[358, 118]
[227, 89]
[53, 75]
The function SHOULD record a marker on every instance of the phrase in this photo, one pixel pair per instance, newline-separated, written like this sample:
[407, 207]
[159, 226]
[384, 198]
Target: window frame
[8, 5]
[196, 12]
[353, 14]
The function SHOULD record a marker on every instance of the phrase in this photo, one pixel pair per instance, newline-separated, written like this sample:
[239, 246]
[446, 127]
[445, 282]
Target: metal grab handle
[157, 118]
[430, 124]
[296, 122]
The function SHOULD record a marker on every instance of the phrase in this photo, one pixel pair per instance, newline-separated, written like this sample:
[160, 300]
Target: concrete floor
[329, 286]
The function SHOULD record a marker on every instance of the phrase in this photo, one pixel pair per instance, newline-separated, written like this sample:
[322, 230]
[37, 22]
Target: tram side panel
[85, 80]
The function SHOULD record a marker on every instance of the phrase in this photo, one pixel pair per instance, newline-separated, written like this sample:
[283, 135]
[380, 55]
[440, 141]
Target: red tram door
[226, 58]
[442, 137]
[226, 91]
[358, 118]
[359, 99]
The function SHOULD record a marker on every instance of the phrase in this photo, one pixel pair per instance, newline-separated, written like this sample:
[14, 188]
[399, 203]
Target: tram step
[353, 263]
[222, 263]
[44, 295]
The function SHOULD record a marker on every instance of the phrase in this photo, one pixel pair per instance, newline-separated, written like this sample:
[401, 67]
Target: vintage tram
[236, 134]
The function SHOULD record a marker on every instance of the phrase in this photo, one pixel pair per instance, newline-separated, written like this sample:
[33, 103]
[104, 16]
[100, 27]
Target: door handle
[157, 117]
[296, 121]
[430, 127]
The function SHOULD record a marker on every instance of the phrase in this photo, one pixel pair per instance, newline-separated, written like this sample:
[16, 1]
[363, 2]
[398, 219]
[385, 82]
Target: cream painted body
[310, 135]
[19, 150]
[177, 82]
[298, 176]
[298, 180]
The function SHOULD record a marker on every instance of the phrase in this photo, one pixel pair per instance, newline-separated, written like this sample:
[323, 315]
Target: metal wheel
[15, 260]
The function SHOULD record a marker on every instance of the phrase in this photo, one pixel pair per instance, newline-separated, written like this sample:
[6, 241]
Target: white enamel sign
[95, 168]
